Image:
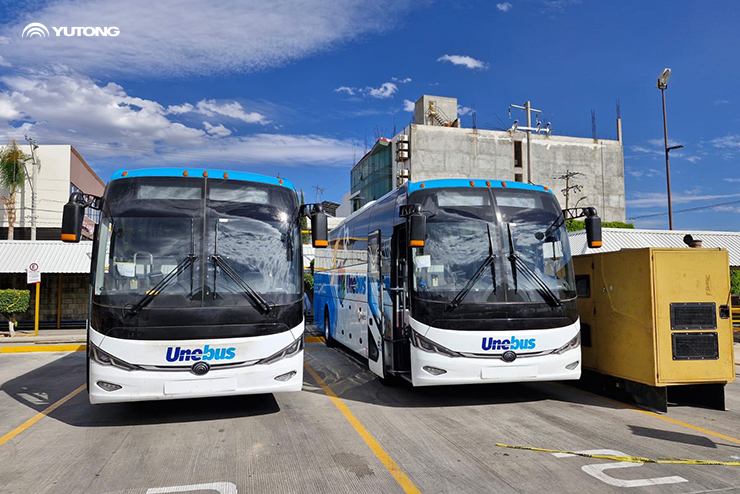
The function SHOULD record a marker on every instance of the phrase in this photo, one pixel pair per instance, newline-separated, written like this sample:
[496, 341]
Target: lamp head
[663, 79]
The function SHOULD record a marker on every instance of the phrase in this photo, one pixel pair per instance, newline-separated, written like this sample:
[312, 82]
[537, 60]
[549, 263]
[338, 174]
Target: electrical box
[658, 317]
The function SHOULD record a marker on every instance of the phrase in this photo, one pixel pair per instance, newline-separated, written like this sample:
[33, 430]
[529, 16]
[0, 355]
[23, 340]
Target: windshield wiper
[157, 289]
[542, 287]
[255, 298]
[476, 276]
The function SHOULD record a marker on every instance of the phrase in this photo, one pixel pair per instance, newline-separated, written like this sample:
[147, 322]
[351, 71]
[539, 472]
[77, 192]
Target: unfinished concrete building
[435, 146]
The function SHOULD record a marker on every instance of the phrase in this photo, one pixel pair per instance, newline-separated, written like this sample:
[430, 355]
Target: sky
[297, 87]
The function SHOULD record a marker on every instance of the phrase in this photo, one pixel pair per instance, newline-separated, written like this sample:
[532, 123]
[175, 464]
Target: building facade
[438, 148]
[61, 170]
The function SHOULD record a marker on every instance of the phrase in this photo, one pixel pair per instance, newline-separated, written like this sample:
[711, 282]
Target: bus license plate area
[199, 386]
[507, 373]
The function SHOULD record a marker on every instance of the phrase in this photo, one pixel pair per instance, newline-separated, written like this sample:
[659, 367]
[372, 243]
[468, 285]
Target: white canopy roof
[52, 256]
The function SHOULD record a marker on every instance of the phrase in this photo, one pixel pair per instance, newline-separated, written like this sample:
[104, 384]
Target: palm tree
[12, 174]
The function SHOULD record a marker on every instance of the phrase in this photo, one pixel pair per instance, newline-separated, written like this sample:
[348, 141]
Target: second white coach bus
[197, 286]
[455, 281]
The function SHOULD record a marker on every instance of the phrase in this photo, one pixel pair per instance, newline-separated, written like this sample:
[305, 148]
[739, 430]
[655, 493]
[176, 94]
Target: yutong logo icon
[38, 29]
[513, 344]
[35, 29]
[177, 354]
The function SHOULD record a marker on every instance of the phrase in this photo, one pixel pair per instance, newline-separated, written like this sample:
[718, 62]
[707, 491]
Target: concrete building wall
[444, 152]
[61, 166]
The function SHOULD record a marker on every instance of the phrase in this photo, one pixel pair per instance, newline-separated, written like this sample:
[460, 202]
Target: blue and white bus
[455, 281]
[197, 285]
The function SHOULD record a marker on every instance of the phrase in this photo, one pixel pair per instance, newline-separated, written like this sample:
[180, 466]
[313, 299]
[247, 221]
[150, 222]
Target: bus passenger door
[375, 305]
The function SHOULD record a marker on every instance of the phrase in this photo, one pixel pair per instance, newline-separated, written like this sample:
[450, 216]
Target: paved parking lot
[346, 432]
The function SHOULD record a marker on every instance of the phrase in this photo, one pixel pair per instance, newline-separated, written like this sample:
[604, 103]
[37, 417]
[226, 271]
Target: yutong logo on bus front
[511, 344]
[175, 354]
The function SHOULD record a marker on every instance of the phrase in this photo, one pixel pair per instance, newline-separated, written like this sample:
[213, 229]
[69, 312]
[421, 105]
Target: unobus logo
[175, 354]
[35, 29]
[513, 344]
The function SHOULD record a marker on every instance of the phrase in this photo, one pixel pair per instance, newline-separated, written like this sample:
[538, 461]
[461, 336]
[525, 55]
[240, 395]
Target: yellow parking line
[43, 348]
[314, 339]
[376, 448]
[28, 423]
[652, 414]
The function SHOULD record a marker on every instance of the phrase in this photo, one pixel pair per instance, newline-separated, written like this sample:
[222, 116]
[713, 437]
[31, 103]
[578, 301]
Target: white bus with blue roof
[455, 281]
[196, 284]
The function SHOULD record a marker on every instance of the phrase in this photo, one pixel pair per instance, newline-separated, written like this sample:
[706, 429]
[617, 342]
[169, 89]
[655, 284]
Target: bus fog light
[435, 371]
[572, 365]
[106, 386]
[285, 377]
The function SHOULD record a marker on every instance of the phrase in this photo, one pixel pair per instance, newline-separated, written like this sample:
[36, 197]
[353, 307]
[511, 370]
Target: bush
[735, 282]
[575, 225]
[14, 302]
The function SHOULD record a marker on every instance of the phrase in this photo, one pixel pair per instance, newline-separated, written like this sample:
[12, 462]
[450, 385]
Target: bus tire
[327, 331]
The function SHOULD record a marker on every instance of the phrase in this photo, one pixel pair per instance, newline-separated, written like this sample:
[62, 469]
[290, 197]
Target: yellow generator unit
[655, 324]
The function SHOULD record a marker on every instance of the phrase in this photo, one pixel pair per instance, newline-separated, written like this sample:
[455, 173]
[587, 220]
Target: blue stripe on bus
[464, 182]
[198, 173]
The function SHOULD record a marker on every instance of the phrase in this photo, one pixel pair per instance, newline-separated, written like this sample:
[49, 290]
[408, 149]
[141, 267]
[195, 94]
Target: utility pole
[568, 187]
[319, 191]
[34, 147]
[528, 108]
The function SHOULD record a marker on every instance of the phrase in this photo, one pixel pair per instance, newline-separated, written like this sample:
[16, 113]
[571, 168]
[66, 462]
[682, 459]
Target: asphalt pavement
[347, 432]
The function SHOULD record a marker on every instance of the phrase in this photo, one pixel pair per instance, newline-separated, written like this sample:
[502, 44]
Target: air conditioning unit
[402, 155]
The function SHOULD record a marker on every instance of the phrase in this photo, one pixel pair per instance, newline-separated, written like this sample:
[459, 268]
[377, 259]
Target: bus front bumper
[144, 385]
[432, 369]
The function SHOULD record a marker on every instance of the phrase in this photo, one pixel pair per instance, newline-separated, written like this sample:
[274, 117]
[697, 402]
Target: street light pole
[663, 85]
[667, 162]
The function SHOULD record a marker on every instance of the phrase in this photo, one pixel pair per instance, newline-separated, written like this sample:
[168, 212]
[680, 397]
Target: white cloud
[464, 60]
[504, 7]
[654, 199]
[386, 90]
[463, 110]
[216, 130]
[104, 121]
[186, 38]
[401, 81]
[232, 109]
[721, 102]
[730, 141]
[408, 105]
[348, 90]
[732, 180]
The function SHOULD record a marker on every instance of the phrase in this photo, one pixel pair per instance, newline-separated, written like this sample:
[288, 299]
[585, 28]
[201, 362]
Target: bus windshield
[537, 269]
[152, 226]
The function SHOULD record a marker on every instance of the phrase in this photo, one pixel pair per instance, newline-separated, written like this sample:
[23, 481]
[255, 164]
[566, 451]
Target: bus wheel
[327, 333]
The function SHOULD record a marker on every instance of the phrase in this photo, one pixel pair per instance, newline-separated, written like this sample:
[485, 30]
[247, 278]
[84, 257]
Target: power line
[688, 210]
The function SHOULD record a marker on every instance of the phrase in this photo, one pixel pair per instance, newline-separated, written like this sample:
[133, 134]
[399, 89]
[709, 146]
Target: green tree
[735, 282]
[12, 174]
[575, 225]
[13, 302]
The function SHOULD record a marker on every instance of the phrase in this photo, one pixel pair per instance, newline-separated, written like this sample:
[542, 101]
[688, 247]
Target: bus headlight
[429, 346]
[99, 356]
[574, 343]
[286, 352]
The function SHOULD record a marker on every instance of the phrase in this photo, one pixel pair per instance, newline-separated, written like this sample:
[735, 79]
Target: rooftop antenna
[319, 191]
[394, 127]
[593, 124]
[474, 114]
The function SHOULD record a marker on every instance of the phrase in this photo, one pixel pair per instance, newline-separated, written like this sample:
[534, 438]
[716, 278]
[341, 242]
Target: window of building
[518, 154]
[518, 177]
[91, 213]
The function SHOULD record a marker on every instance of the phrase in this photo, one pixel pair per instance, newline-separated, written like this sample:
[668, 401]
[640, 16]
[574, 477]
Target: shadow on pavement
[676, 437]
[49, 383]
[348, 376]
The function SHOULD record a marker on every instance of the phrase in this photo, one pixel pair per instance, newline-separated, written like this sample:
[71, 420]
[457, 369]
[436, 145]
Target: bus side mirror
[593, 231]
[417, 229]
[319, 230]
[72, 218]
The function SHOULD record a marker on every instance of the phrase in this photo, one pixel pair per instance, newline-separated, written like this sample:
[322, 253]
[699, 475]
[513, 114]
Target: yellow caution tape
[627, 459]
